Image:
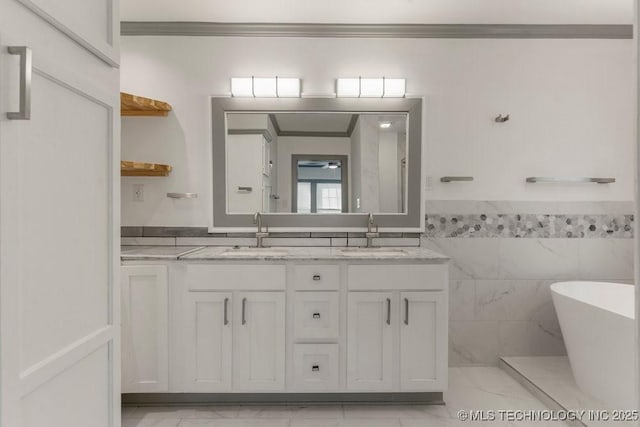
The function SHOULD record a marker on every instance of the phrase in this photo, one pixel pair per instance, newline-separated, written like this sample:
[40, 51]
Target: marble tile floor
[470, 388]
[551, 379]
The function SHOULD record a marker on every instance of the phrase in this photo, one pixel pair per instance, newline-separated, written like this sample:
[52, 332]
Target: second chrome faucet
[260, 235]
[370, 234]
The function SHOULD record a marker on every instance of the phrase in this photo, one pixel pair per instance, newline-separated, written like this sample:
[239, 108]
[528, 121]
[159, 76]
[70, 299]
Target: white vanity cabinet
[397, 327]
[423, 335]
[370, 335]
[145, 328]
[207, 342]
[378, 326]
[239, 332]
[337, 326]
[259, 347]
[234, 327]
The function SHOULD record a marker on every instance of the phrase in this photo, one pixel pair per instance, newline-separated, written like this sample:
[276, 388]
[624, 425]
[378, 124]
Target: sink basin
[374, 252]
[255, 252]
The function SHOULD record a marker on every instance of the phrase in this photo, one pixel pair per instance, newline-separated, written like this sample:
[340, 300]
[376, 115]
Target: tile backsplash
[198, 236]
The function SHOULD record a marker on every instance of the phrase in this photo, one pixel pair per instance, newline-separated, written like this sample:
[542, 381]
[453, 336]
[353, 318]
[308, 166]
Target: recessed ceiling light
[385, 125]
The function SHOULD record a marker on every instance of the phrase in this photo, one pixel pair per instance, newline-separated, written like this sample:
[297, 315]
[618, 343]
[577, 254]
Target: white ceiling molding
[495, 31]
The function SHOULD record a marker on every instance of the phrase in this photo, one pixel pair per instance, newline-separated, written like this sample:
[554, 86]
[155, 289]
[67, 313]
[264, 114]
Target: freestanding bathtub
[597, 323]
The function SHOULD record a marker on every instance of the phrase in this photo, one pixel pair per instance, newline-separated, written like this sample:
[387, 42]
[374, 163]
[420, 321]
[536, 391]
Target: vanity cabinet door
[208, 342]
[259, 346]
[423, 344]
[371, 321]
[145, 329]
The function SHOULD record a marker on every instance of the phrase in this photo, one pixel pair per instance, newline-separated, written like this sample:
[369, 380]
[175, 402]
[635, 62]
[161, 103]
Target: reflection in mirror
[321, 184]
[316, 162]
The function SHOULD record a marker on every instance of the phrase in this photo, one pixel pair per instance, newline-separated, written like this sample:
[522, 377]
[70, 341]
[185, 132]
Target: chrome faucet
[260, 235]
[370, 234]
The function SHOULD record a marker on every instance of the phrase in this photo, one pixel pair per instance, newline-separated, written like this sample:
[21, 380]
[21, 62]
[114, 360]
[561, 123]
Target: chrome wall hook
[501, 118]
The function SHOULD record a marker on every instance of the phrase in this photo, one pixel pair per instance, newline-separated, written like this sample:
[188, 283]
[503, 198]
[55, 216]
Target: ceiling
[383, 11]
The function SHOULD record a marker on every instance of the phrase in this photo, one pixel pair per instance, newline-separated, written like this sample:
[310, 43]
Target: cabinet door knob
[315, 368]
[316, 315]
[316, 277]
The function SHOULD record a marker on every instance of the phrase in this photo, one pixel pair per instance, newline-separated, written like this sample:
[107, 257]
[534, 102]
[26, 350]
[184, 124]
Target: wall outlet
[138, 192]
[429, 183]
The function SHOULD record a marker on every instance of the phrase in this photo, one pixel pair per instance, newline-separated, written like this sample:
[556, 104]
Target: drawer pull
[315, 368]
[244, 311]
[388, 311]
[316, 277]
[316, 315]
[406, 311]
[226, 318]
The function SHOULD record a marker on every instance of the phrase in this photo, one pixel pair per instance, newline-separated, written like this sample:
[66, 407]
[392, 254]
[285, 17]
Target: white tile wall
[470, 258]
[538, 258]
[500, 302]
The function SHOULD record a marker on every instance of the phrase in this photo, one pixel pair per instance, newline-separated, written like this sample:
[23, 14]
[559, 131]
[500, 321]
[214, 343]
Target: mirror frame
[410, 221]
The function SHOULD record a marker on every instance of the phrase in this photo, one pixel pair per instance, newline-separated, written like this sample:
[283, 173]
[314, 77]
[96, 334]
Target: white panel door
[370, 325]
[423, 344]
[145, 329]
[59, 217]
[259, 341]
[208, 341]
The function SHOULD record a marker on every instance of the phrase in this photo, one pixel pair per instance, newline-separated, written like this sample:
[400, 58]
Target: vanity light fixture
[265, 87]
[381, 87]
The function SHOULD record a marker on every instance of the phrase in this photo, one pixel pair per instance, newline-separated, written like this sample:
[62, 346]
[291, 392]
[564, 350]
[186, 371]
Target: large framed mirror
[317, 163]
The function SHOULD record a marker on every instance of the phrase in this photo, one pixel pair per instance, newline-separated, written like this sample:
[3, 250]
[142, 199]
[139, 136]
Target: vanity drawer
[257, 277]
[315, 367]
[316, 315]
[398, 276]
[312, 277]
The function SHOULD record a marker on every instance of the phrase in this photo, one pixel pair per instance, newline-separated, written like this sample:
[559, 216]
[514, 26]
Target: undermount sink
[255, 252]
[374, 252]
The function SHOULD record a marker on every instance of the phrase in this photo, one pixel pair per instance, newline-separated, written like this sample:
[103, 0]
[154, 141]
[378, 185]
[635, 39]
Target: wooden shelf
[128, 168]
[132, 105]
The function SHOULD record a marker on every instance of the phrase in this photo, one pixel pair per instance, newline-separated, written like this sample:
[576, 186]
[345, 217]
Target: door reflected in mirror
[316, 162]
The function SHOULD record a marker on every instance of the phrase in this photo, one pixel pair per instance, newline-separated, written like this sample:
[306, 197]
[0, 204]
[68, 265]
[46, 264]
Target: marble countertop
[394, 254]
[140, 253]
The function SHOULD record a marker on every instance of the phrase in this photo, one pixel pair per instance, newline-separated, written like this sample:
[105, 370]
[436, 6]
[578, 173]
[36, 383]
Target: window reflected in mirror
[320, 184]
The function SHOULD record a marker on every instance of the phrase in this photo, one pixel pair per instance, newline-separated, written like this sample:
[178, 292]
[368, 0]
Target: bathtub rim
[556, 286]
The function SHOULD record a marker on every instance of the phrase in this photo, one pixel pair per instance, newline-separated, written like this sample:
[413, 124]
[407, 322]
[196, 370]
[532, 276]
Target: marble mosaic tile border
[620, 226]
